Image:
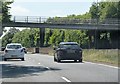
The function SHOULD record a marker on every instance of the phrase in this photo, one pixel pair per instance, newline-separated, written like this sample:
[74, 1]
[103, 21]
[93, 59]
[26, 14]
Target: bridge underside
[63, 26]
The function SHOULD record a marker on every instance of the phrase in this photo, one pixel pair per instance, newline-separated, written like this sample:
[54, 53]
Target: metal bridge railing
[62, 20]
[28, 19]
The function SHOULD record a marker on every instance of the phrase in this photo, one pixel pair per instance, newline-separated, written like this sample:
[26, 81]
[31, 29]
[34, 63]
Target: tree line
[86, 38]
[4, 11]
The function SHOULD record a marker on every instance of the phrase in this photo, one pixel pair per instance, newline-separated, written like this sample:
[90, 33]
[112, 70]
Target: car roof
[14, 44]
[68, 43]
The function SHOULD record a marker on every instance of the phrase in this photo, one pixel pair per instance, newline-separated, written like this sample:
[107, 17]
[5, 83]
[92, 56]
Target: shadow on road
[14, 71]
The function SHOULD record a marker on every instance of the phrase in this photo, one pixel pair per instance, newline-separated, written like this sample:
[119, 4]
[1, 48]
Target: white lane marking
[6, 62]
[65, 79]
[39, 63]
[102, 65]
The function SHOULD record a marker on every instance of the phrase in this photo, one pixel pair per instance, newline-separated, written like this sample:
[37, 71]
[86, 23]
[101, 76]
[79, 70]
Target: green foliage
[94, 11]
[68, 35]
[104, 10]
[5, 10]
[27, 37]
[57, 37]
[9, 36]
[76, 36]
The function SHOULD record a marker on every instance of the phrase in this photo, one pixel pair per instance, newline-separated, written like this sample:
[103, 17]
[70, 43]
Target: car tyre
[58, 60]
[22, 59]
[55, 59]
[5, 59]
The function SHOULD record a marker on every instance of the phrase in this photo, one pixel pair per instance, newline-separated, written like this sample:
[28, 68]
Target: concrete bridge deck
[64, 26]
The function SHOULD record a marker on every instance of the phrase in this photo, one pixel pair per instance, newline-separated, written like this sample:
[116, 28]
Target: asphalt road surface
[42, 68]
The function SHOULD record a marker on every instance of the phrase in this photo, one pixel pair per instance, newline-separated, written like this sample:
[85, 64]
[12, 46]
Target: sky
[50, 8]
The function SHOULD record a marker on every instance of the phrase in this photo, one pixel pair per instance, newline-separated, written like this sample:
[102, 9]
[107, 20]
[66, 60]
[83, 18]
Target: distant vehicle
[68, 51]
[24, 49]
[14, 51]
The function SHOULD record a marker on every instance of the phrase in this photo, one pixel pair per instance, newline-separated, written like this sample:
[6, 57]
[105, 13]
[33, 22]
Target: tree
[76, 36]
[94, 11]
[9, 36]
[56, 37]
[5, 10]
[4, 13]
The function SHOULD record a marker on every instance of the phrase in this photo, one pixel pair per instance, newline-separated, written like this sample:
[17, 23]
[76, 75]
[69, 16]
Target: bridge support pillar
[42, 36]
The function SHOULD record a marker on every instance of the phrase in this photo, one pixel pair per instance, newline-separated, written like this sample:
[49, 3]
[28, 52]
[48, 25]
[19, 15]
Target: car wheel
[5, 59]
[58, 60]
[22, 59]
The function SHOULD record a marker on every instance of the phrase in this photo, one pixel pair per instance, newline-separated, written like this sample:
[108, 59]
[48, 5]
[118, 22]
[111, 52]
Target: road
[42, 68]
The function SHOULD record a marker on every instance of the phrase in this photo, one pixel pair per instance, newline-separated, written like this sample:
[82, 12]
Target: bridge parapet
[62, 20]
[29, 19]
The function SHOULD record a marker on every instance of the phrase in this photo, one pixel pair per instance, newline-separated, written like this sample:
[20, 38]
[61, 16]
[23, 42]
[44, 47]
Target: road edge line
[102, 65]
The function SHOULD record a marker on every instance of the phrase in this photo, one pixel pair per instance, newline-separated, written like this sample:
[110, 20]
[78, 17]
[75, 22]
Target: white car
[14, 51]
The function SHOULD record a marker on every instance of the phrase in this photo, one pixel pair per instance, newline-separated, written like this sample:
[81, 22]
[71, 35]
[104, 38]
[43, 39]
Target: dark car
[68, 51]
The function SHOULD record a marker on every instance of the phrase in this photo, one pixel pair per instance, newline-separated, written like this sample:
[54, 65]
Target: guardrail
[62, 20]
[28, 19]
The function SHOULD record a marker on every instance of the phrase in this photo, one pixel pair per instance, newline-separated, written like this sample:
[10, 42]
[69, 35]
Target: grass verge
[104, 56]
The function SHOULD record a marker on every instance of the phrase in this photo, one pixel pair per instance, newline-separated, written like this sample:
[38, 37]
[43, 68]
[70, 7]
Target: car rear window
[71, 46]
[14, 46]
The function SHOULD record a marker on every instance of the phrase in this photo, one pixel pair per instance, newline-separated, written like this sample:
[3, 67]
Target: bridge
[61, 23]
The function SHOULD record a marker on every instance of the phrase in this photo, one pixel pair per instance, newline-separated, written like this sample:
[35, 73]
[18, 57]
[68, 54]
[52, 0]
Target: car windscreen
[70, 46]
[14, 46]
